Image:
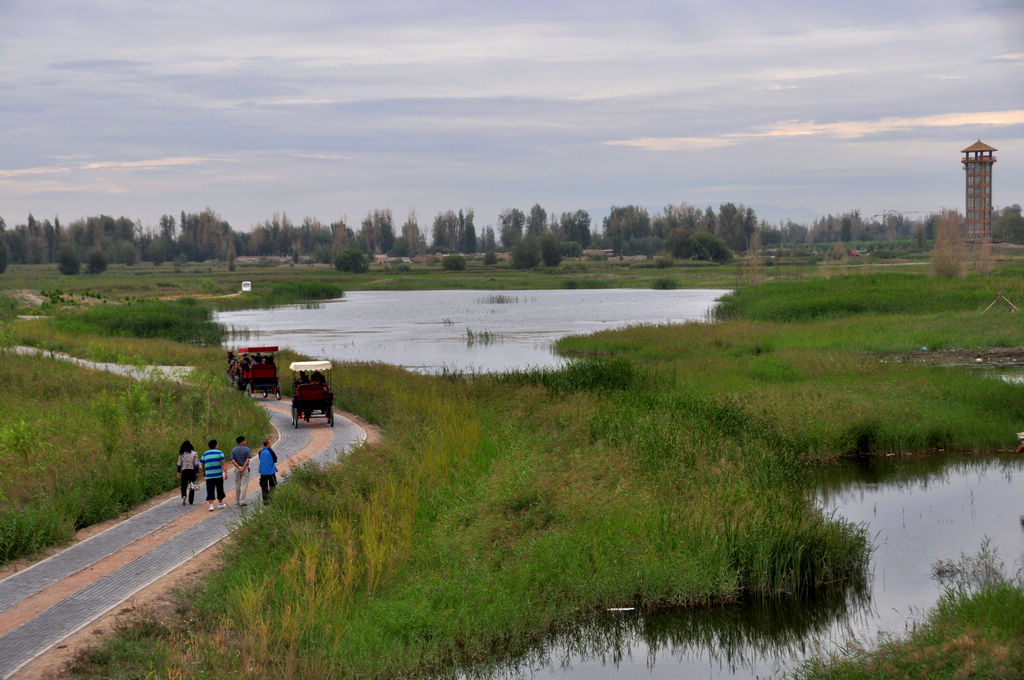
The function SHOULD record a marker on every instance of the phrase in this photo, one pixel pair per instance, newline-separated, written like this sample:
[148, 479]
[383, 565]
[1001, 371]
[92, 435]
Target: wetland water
[462, 330]
[915, 511]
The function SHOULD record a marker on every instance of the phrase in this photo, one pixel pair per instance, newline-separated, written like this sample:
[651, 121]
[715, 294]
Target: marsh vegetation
[666, 467]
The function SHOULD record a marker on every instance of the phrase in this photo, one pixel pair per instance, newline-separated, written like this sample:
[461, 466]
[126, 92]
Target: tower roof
[979, 146]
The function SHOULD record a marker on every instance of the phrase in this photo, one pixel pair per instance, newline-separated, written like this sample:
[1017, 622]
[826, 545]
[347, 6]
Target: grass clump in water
[974, 631]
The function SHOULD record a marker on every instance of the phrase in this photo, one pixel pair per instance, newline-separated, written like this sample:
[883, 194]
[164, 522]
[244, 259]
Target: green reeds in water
[182, 320]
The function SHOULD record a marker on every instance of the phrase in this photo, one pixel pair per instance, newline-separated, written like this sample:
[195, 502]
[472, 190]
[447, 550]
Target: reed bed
[183, 320]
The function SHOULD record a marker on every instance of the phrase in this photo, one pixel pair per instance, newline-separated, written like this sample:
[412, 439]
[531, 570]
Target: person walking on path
[268, 470]
[188, 470]
[240, 457]
[213, 470]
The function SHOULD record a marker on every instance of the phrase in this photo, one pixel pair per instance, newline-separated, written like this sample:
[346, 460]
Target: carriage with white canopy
[312, 396]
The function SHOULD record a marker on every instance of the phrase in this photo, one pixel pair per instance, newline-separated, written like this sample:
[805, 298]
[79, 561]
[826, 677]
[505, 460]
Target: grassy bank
[79, 446]
[499, 510]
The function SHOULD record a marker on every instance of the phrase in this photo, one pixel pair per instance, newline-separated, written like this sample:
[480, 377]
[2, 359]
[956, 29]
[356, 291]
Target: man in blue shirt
[268, 470]
[213, 470]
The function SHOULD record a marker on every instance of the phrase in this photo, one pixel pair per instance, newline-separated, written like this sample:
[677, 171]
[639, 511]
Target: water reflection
[916, 510]
[752, 640]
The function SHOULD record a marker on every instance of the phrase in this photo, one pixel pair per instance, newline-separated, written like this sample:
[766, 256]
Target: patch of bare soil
[993, 356]
[29, 298]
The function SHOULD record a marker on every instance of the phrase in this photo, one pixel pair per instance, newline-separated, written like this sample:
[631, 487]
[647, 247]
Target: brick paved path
[35, 636]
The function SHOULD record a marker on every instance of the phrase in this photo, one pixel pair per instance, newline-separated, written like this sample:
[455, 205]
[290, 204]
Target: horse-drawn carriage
[253, 370]
[313, 396]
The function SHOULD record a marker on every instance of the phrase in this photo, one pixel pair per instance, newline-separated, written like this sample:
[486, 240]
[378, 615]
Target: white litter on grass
[621, 609]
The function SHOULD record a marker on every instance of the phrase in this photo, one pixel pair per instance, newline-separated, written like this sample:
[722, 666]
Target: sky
[332, 109]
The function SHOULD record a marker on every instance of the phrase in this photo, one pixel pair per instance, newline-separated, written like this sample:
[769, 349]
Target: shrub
[454, 263]
[490, 257]
[351, 260]
[549, 250]
[67, 261]
[526, 253]
[96, 262]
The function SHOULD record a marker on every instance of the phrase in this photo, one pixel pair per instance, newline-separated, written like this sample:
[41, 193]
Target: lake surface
[471, 331]
[915, 511]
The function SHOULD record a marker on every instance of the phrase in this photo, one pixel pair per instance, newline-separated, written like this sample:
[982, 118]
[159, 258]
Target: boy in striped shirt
[213, 470]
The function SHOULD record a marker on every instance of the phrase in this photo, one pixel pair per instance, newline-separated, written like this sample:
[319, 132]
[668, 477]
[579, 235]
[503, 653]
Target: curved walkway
[89, 578]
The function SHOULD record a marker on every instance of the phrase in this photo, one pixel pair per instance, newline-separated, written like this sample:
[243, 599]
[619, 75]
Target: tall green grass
[183, 320]
[875, 293]
[500, 509]
[78, 447]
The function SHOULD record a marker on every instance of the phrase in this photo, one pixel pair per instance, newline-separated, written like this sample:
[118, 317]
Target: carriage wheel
[295, 417]
[330, 416]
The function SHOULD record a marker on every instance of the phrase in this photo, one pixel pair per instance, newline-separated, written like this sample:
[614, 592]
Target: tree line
[529, 237]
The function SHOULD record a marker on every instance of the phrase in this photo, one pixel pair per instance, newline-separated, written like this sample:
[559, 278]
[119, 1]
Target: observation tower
[978, 160]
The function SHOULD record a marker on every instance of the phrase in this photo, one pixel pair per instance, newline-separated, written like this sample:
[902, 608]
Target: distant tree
[1009, 225]
[625, 223]
[511, 222]
[487, 241]
[415, 242]
[490, 257]
[700, 245]
[570, 249]
[445, 231]
[377, 235]
[575, 227]
[352, 260]
[526, 253]
[3, 255]
[549, 250]
[468, 244]
[96, 261]
[454, 263]
[67, 260]
[537, 221]
[947, 251]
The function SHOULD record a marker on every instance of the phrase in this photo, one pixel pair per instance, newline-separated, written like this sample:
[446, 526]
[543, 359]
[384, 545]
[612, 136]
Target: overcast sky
[331, 109]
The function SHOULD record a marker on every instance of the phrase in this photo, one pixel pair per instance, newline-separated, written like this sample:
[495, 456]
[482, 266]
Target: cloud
[108, 165]
[838, 129]
[151, 163]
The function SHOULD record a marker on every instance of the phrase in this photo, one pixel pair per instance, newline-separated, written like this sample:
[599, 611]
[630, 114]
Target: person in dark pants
[213, 469]
[188, 470]
[268, 470]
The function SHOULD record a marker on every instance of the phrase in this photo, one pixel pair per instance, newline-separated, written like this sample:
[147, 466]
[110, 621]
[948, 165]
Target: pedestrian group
[211, 464]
